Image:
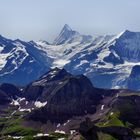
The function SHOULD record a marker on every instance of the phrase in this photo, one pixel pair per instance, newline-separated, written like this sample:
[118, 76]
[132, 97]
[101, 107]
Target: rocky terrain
[76, 88]
[60, 105]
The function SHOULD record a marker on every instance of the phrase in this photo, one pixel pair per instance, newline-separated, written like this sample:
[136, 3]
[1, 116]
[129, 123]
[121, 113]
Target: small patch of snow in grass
[111, 113]
[41, 134]
[61, 138]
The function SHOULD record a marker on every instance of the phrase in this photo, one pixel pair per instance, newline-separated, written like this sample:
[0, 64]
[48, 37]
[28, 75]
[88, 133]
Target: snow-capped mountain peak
[65, 35]
[66, 27]
[128, 34]
[68, 36]
[107, 60]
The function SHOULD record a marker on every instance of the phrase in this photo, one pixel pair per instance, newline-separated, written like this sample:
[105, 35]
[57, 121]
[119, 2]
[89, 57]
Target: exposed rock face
[90, 133]
[113, 59]
[42, 88]
[71, 96]
[133, 81]
[61, 101]
[8, 92]
[127, 46]
[4, 99]
[33, 92]
[11, 90]
[129, 108]
[135, 73]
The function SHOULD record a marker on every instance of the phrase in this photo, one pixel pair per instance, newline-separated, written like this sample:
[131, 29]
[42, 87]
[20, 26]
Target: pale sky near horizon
[43, 19]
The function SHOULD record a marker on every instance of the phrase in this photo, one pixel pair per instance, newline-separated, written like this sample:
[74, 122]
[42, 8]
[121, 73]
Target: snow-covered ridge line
[79, 54]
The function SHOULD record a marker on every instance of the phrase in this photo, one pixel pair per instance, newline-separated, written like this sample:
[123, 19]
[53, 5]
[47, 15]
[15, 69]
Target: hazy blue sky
[43, 19]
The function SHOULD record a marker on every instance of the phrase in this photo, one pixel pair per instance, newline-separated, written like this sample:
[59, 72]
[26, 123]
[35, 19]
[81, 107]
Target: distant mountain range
[110, 61]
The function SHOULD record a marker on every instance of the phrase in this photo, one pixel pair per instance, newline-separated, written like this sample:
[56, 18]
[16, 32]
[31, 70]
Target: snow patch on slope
[60, 63]
[39, 104]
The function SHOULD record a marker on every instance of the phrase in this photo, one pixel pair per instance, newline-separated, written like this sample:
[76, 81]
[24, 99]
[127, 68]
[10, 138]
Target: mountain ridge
[110, 56]
[72, 108]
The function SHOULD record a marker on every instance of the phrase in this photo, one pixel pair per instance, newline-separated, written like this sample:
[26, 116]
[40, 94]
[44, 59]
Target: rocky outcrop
[11, 90]
[89, 131]
[133, 81]
[41, 89]
[129, 108]
[71, 96]
[4, 99]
